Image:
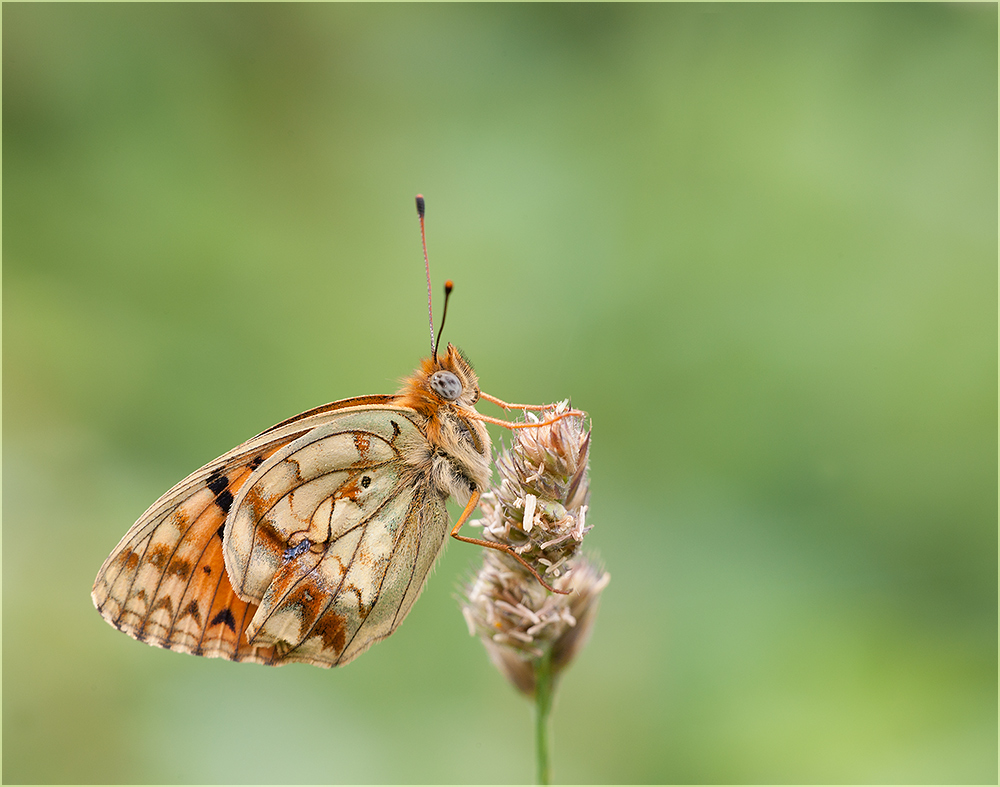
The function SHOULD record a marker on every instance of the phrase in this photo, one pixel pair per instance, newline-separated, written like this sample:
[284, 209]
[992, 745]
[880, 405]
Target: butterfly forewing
[308, 543]
[166, 582]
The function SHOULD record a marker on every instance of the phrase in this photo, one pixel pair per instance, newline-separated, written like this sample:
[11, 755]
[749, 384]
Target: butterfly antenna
[448, 287]
[427, 268]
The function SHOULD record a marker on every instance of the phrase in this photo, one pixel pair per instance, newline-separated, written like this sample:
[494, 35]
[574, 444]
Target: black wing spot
[395, 430]
[225, 616]
[208, 569]
[217, 482]
[256, 462]
[220, 532]
[193, 610]
[365, 482]
[224, 500]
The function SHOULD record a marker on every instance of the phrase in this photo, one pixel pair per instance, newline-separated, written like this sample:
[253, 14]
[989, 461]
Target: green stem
[543, 706]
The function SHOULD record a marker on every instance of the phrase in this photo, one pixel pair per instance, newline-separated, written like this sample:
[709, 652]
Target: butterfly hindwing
[334, 536]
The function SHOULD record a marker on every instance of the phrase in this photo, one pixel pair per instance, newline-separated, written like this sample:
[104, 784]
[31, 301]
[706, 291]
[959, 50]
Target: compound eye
[446, 385]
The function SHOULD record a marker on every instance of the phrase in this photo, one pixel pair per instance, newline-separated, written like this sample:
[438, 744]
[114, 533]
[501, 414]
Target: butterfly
[311, 541]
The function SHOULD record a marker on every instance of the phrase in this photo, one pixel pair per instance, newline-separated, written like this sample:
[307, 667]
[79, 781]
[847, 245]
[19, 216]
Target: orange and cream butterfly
[311, 541]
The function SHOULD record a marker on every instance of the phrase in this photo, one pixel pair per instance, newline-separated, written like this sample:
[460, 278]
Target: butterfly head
[451, 378]
[443, 382]
[444, 390]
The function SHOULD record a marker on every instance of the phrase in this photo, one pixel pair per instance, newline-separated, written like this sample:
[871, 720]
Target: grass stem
[543, 706]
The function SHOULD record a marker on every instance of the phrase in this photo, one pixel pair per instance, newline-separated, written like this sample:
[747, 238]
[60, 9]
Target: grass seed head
[539, 509]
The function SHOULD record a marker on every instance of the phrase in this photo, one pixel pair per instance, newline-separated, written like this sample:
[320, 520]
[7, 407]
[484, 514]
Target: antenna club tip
[420, 205]
[448, 287]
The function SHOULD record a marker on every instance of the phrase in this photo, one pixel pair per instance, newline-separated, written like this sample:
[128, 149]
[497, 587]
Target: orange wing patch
[166, 583]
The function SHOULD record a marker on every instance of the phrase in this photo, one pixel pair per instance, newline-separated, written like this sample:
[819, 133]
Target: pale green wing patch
[334, 535]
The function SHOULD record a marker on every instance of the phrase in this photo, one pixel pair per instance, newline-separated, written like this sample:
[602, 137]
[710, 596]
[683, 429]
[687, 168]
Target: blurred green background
[757, 243]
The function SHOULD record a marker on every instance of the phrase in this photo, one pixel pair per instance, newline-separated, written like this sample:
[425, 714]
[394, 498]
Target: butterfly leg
[469, 508]
[512, 425]
[509, 406]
